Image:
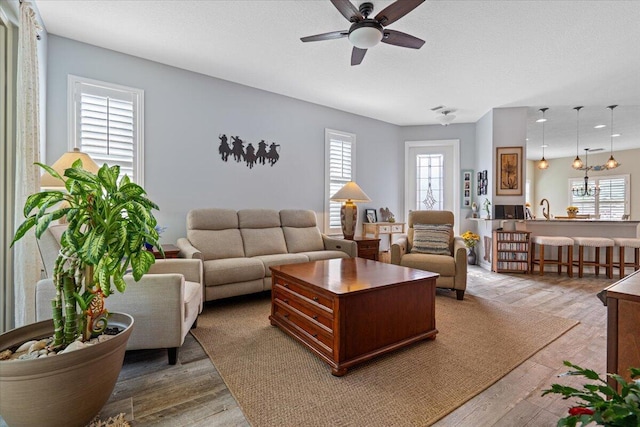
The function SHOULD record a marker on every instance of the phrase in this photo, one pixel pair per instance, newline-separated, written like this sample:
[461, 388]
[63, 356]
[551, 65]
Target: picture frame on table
[509, 171]
[370, 215]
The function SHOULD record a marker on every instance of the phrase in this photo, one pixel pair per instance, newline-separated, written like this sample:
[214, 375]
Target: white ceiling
[478, 55]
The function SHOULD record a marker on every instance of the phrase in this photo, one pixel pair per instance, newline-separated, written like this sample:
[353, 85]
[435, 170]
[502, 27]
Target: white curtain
[26, 256]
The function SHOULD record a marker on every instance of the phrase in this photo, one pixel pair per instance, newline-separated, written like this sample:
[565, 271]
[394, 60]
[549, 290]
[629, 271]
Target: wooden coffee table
[347, 311]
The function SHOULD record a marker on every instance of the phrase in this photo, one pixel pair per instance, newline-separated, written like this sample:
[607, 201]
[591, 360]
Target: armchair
[449, 260]
[165, 302]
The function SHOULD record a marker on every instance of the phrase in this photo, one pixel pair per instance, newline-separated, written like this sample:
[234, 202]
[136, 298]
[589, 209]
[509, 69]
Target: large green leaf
[23, 228]
[43, 224]
[141, 261]
[93, 246]
[81, 175]
[108, 179]
[119, 283]
[40, 199]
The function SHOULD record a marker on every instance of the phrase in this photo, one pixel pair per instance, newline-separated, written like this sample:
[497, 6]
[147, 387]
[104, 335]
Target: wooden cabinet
[368, 248]
[511, 251]
[170, 251]
[623, 320]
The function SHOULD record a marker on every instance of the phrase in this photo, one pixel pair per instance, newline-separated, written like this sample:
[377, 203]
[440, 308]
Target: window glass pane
[341, 147]
[610, 202]
[429, 181]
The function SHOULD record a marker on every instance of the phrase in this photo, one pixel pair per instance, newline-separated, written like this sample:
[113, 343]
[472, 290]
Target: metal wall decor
[249, 155]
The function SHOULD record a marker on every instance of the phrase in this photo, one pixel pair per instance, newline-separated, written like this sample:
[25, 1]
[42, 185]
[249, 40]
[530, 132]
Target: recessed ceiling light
[599, 126]
[615, 135]
[541, 120]
[544, 146]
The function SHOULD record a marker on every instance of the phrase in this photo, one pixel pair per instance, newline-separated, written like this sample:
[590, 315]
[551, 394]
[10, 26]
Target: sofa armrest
[187, 250]
[460, 254]
[399, 248]
[191, 269]
[349, 247]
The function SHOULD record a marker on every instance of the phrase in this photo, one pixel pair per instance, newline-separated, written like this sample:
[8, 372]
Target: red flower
[580, 410]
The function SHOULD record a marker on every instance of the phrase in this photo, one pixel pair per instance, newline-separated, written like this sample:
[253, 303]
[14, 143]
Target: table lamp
[64, 162]
[349, 194]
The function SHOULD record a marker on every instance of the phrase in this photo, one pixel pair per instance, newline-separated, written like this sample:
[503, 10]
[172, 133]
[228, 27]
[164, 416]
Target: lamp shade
[65, 162]
[351, 192]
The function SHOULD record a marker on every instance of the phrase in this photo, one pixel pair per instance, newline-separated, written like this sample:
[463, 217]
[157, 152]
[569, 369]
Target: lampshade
[365, 37]
[349, 194]
[65, 162]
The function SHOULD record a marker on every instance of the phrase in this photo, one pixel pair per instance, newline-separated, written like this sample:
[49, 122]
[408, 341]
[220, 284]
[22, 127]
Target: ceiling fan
[366, 32]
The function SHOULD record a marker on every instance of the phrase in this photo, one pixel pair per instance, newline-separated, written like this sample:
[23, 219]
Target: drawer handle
[315, 317]
[315, 335]
[286, 285]
[315, 299]
[286, 301]
[286, 315]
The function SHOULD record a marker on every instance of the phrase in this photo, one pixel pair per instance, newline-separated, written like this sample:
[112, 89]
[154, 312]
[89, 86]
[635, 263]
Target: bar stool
[558, 242]
[623, 242]
[597, 243]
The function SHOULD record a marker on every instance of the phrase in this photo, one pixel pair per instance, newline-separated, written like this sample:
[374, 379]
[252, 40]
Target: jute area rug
[278, 382]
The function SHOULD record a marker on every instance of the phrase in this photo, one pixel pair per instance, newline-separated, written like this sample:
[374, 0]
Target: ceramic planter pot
[64, 390]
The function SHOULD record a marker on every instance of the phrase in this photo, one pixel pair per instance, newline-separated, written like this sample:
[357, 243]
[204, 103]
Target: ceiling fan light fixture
[446, 118]
[365, 36]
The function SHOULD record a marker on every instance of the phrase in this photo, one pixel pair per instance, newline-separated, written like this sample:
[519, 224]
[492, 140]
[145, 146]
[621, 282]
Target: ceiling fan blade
[401, 39]
[357, 55]
[396, 10]
[325, 36]
[348, 10]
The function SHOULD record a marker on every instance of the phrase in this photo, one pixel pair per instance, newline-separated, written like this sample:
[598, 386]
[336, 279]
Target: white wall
[184, 114]
[553, 183]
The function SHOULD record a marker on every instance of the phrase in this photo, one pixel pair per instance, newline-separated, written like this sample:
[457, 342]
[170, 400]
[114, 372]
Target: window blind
[339, 174]
[611, 201]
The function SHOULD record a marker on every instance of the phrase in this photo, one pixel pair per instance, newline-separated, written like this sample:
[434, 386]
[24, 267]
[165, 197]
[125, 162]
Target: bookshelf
[511, 251]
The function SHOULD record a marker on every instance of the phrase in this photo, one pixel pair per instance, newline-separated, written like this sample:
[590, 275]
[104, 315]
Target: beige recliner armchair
[437, 251]
[164, 303]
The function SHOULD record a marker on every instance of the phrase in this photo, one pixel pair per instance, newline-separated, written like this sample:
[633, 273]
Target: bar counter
[580, 227]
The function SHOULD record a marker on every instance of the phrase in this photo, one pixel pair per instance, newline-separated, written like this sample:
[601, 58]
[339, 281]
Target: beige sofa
[238, 247]
[164, 303]
[451, 266]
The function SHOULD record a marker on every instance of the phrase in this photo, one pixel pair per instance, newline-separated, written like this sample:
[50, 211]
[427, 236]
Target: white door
[431, 176]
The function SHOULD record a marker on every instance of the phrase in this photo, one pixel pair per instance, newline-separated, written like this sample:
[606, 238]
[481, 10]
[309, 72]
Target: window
[340, 148]
[106, 122]
[430, 182]
[611, 202]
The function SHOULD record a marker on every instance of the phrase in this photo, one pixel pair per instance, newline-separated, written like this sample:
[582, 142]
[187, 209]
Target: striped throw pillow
[432, 239]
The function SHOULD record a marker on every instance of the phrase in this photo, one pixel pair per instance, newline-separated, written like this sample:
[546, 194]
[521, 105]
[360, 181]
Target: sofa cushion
[303, 239]
[320, 255]
[280, 259]
[261, 232]
[212, 219]
[217, 244]
[232, 270]
[432, 239]
[442, 264]
[298, 218]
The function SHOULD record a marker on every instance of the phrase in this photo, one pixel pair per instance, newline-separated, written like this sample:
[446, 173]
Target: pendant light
[543, 163]
[577, 162]
[612, 163]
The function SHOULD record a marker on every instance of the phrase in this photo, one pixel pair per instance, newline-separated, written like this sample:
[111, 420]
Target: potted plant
[109, 220]
[601, 403]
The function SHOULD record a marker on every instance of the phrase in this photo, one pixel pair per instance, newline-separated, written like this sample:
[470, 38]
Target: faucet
[547, 212]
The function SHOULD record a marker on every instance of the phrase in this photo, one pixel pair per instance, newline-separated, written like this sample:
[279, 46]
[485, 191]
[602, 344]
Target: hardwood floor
[191, 393]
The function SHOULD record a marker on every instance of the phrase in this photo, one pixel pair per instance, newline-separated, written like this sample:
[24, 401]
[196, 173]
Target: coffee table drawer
[304, 292]
[314, 333]
[317, 314]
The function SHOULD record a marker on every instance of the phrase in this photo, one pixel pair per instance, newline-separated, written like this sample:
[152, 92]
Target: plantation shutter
[340, 158]
[108, 125]
[612, 198]
[611, 202]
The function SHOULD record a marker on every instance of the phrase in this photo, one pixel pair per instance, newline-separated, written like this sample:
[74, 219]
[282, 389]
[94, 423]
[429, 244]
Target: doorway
[432, 170]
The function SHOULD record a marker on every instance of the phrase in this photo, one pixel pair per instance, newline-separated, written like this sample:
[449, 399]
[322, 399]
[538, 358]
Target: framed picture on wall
[467, 186]
[509, 171]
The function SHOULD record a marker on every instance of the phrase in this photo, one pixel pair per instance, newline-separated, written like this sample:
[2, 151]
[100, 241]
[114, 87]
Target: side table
[368, 248]
[170, 251]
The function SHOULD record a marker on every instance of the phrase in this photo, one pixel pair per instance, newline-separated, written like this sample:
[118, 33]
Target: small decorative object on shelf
[601, 403]
[487, 208]
[474, 210]
[527, 211]
[572, 211]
